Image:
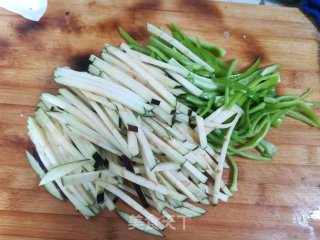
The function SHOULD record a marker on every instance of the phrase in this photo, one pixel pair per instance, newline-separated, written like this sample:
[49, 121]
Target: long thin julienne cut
[189, 86]
[112, 128]
[101, 91]
[202, 133]
[145, 182]
[122, 77]
[219, 170]
[133, 192]
[145, 147]
[99, 99]
[163, 65]
[131, 202]
[156, 31]
[105, 129]
[173, 180]
[143, 74]
[71, 121]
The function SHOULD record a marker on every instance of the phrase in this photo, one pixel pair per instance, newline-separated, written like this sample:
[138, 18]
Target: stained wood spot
[80, 62]
[150, 4]
[91, 3]
[105, 26]
[27, 27]
[253, 48]
[4, 48]
[201, 7]
[68, 23]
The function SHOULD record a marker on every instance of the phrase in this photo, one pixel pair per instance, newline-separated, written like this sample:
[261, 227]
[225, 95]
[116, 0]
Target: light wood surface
[272, 197]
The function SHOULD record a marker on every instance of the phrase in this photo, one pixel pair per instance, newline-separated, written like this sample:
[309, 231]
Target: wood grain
[272, 197]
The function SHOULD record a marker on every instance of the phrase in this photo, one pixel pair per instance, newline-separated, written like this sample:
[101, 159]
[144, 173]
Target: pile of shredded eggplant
[156, 126]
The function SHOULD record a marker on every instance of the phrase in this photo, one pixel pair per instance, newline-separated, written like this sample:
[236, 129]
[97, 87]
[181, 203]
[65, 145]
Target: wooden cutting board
[277, 200]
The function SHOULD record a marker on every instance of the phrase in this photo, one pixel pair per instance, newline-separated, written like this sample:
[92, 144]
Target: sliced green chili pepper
[233, 187]
[169, 51]
[249, 72]
[141, 49]
[301, 117]
[162, 56]
[196, 100]
[128, 38]
[270, 69]
[218, 51]
[208, 107]
[258, 137]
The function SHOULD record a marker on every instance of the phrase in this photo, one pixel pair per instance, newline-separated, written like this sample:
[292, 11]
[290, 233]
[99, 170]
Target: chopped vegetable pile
[156, 125]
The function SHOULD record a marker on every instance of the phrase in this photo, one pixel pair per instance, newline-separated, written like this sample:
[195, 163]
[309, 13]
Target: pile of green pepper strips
[253, 90]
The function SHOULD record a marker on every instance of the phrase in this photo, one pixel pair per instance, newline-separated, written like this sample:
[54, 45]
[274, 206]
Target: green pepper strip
[255, 127]
[270, 69]
[247, 73]
[226, 96]
[213, 59]
[266, 148]
[276, 118]
[215, 49]
[231, 150]
[169, 51]
[141, 49]
[236, 138]
[159, 53]
[196, 48]
[234, 85]
[249, 156]
[248, 79]
[260, 136]
[154, 55]
[174, 28]
[239, 98]
[259, 107]
[128, 38]
[195, 100]
[261, 149]
[218, 51]
[207, 95]
[271, 82]
[305, 109]
[246, 117]
[177, 36]
[201, 53]
[287, 98]
[277, 122]
[301, 117]
[233, 187]
[209, 105]
[231, 69]
[203, 73]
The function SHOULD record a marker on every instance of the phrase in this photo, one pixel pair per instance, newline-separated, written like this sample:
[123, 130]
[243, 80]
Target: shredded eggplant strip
[153, 126]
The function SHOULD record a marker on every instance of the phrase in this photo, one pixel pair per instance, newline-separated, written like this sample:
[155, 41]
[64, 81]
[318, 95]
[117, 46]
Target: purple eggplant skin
[128, 164]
